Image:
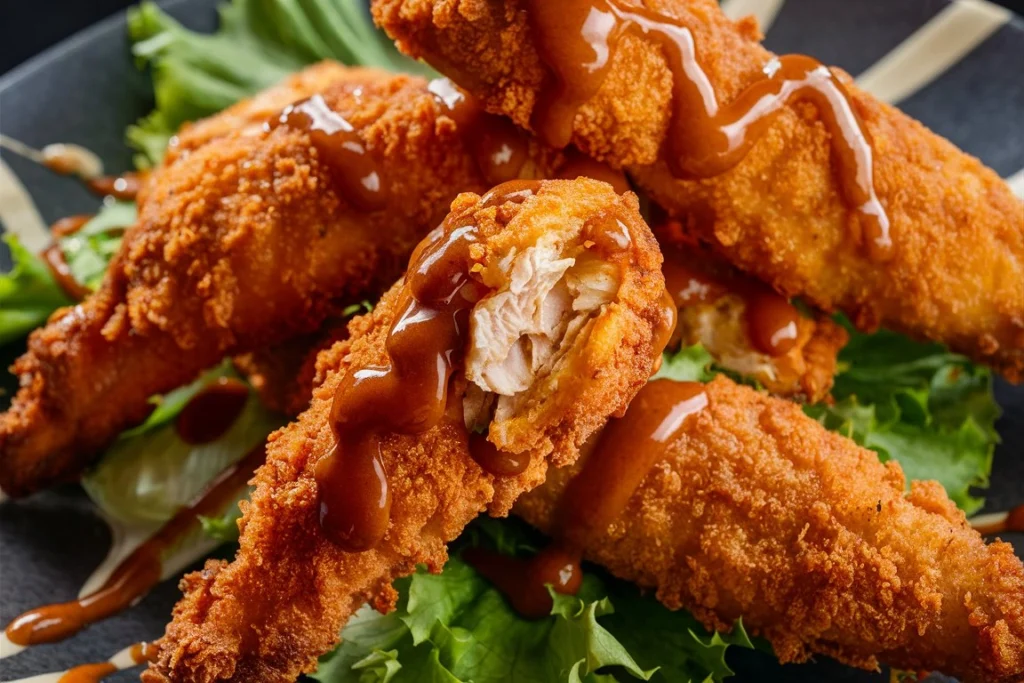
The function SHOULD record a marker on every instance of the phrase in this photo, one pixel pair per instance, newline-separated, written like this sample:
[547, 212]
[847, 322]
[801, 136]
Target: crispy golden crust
[957, 275]
[240, 243]
[761, 513]
[268, 615]
[284, 374]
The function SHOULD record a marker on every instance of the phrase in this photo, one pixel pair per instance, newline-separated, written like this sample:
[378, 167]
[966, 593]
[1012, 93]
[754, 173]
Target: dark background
[30, 26]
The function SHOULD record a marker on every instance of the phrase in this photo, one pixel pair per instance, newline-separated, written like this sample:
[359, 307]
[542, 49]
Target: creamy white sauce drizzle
[122, 660]
[992, 519]
[124, 540]
[933, 49]
[1016, 183]
[764, 11]
[7, 648]
[19, 214]
[60, 157]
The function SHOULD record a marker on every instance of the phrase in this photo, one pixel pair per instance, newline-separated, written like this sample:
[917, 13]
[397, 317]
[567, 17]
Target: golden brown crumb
[957, 272]
[759, 512]
[241, 243]
[280, 604]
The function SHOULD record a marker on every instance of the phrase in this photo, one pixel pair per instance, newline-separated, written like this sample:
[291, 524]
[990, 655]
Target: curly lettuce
[456, 627]
[28, 293]
[257, 44]
[930, 410]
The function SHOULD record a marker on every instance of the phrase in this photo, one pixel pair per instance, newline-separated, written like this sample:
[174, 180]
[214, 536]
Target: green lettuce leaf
[28, 293]
[223, 529]
[258, 43]
[931, 410]
[455, 627]
[688, 364]
[88, 252]
[150, 473]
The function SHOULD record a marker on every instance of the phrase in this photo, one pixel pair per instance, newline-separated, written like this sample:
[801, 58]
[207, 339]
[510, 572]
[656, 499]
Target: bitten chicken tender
[759, 512]
[243, 241]
[956, 272]
[280, 604]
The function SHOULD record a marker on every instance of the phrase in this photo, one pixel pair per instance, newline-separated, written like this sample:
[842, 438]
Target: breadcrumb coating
[281, 603]
[759, 512]
[241, 243]
[957, 270]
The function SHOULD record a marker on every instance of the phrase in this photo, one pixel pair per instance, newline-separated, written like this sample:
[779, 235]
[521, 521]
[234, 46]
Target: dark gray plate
[86, 90]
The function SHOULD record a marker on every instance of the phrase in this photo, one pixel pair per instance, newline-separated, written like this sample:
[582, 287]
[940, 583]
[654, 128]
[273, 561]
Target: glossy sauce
[408, 395]
[357, 174]
[88, 673]
[124, 187]
[53, 255]
[68, 159]
[136, 654]
[139, 572]
[500, 149]
[70, 225]
[494, 461]
[624, 454]
[577, 40]
[61, 272]
[693, 277]
[211, 412]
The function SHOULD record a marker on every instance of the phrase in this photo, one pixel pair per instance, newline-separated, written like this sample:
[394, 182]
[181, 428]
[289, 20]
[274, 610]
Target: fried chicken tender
[956, 274]
[588, 323]
[720, 308]
[242, 241]
[759, 512]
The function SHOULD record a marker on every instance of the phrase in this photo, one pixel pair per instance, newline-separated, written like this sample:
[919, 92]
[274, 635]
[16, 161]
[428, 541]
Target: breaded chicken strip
[571, 290]
[745, 325]
[759, 512]
[956, 267]
[245, 238]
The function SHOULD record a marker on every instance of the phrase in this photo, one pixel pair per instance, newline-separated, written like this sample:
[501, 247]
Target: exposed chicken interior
[546, 297]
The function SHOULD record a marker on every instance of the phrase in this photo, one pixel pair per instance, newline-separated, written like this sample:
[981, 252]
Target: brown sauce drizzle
[211, 412]
[693, 277]
[140, 653]
[406, 396]
[625, 452]
[358, 176]
[139, 572]
[70, 225]
[495, 461]
[88, 673]
[69, 159]
[125, 186]
[61, 272]
[53, 255]
[500, 149]
[577, 40]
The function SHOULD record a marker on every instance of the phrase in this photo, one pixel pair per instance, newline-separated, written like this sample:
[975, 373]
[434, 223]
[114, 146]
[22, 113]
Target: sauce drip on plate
[125, 186]
[139, 572]
[578, 40]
